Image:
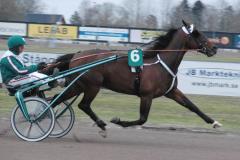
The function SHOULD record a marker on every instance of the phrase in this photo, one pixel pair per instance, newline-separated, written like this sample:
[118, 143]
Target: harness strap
[169, 71]
[149, 64]
[165, 66]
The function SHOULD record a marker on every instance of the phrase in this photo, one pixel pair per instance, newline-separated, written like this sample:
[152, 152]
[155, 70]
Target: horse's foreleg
[85, 106]
[180, 98]
[144, 111]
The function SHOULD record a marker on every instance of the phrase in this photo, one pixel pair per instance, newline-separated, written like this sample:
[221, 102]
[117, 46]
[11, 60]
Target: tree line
[222, 17]
[109, 14]
[206, 17]
[16, 10]
[136, 13]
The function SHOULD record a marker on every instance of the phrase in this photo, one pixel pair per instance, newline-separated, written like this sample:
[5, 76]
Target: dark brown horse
[157, 78]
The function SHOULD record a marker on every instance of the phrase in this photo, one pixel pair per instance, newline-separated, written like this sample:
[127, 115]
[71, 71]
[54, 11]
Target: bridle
[188, 29]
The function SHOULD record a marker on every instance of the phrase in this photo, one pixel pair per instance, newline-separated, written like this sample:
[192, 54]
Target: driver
[13, 70]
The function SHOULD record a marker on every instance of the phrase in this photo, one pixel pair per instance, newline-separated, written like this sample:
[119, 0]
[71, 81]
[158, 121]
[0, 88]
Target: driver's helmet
[15, 41]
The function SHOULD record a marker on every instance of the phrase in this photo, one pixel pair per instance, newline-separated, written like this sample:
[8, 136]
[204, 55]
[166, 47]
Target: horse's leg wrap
[101, 124]
[87, 109]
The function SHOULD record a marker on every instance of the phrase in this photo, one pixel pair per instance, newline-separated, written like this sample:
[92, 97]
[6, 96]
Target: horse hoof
[216, 124]
[101, 124]
[115, 120]
[103, 133]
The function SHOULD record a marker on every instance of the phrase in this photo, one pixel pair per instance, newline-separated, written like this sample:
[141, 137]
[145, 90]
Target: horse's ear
[185, 24]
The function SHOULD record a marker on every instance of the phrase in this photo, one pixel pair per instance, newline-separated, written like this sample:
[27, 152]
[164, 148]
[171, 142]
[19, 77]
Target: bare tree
[135, 8]
[182, 11]
[106, 14]
[30, 6]
[221, 18]
[6, 10]
[197, 12]
[211, 19]
[133, 14]
[226, 19]
[151, 22]
[235, 22]
[15, 10]
[83, 10]
[122, 18]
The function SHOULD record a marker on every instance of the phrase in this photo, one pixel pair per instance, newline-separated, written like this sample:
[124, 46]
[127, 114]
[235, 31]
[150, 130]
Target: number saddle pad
[135, 60]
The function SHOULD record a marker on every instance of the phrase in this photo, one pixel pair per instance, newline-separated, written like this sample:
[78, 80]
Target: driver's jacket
[11, 66]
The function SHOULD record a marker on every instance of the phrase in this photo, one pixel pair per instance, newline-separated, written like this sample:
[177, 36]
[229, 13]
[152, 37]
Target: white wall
[209, 78]
[9, 29]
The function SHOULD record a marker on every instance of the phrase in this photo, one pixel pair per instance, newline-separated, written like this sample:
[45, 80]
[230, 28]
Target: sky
[67, 7]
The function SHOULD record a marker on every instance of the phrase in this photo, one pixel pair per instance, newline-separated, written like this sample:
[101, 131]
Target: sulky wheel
[64, 120]
[39, 127]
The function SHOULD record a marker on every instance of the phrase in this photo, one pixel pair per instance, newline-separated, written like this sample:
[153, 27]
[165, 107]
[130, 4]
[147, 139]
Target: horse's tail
[62, 62]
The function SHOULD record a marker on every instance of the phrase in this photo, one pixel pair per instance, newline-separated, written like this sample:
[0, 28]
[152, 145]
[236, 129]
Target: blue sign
[103, 34]
[237, 41]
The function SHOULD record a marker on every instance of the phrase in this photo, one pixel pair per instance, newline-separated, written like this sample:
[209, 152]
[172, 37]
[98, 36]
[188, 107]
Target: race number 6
[135, 57]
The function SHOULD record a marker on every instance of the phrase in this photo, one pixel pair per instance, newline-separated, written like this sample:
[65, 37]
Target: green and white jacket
[11, 66]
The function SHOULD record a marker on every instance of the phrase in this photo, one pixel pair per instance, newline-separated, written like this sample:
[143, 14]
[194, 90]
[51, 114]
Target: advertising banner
[52, 31]
[144, 36]
[209, 78]
[35, 58]
[9, 29]
[103, 34]
[221, 39]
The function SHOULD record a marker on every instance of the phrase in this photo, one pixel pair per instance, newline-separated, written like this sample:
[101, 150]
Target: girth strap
[137, 80]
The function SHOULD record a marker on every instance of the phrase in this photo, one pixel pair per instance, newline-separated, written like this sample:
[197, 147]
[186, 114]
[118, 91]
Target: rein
[110, 52]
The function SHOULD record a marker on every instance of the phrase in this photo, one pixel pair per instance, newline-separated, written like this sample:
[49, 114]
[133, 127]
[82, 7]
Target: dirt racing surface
[84, 143]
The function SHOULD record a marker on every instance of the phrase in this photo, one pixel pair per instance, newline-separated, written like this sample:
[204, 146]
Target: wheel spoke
[64, 116]
[37, 123]
[59, 125]
[28, 133]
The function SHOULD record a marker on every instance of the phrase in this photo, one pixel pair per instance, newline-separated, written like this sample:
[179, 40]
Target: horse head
[197, 40]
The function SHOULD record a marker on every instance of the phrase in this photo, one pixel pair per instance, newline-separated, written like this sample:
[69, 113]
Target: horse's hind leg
[180, 98]
[144, 111]
[65, 96]
[85, 105]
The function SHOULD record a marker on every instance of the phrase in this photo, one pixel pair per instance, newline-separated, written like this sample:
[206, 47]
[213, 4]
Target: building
[45, 18]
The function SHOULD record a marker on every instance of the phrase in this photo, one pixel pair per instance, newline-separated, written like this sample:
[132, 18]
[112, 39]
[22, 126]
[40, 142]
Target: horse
[158, 76]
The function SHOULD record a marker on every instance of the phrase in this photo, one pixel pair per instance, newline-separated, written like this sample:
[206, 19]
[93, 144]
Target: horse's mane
[160, 42]
[164, 40]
